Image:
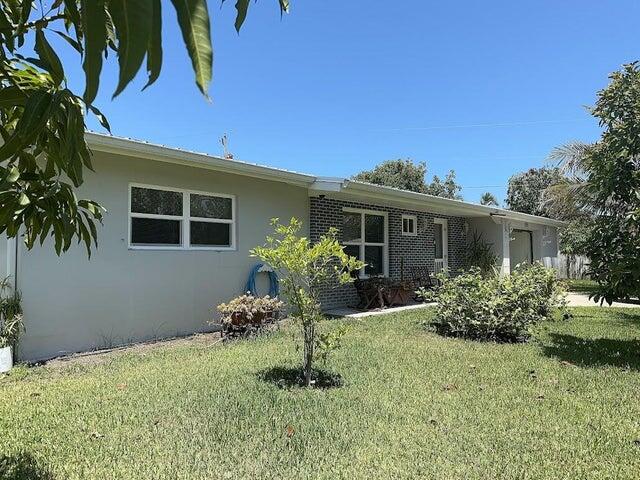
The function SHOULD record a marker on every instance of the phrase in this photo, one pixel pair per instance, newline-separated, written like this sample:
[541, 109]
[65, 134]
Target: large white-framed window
[365, 235]
[167, 218]
[409, 225]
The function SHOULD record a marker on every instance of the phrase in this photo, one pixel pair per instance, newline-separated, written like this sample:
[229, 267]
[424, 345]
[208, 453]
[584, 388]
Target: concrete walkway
[582, 300]
[353, 313]
[574, 299]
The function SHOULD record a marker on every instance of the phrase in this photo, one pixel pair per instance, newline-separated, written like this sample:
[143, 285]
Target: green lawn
[581, 285]
[414, 405]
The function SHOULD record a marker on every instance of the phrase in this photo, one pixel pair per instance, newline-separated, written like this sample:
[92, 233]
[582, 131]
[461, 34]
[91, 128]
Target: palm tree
[570, 198]
[488, 198]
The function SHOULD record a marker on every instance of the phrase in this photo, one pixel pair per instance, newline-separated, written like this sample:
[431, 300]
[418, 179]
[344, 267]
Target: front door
[520, 249]
[441, 239]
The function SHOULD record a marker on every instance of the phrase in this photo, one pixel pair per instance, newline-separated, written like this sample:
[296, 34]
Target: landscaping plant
[11, 320]
[247, 314]
[497, 308]
[305, 268]
[479, 254]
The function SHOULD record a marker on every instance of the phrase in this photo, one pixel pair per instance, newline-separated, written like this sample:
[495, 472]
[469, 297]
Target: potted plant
[10, 330]
[247, 312]
[11, 324]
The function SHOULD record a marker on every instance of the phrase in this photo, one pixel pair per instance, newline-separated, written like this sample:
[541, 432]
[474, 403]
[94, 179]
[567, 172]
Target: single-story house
[176, 239]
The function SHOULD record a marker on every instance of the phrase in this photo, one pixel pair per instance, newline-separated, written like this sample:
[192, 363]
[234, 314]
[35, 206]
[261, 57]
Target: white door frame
[445, 241]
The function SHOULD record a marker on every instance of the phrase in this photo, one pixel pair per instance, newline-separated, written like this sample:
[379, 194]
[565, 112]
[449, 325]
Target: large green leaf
[241, 6]
[11, 97]
[154, 49]
[49, 57]
[193, 18]
[132, 19]
[95, 38]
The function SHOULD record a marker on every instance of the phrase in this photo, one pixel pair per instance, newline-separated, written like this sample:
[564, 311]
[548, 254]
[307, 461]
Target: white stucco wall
[121, 295]
[546, 246]
[491, 233]
[544, 240]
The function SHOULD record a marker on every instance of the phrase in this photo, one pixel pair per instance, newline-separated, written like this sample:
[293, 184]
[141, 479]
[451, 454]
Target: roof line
[162, 153]
[152, 151]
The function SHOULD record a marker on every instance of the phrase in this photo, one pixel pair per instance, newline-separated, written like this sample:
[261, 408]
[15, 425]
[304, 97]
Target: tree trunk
[309, 341]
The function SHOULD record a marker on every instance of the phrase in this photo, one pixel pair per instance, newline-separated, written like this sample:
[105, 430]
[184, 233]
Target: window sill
[183, 249]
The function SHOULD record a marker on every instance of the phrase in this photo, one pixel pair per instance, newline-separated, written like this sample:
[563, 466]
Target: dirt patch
[101, 356]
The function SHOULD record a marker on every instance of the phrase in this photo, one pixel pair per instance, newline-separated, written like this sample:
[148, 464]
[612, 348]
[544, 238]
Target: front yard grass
[413, 405]
[583, 285]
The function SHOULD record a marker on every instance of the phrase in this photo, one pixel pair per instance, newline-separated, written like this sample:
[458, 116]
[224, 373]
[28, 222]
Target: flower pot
[6, 359]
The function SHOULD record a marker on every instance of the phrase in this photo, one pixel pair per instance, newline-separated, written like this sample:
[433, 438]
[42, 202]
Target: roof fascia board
[121, 146]
[422, 201]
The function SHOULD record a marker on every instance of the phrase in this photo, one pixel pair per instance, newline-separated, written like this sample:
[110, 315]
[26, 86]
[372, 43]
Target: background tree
[447, 188]
[43, 153]
[401, 173]
[610, 188]
[525, 192]
[489, 199]
[304, 269]
[407, 175]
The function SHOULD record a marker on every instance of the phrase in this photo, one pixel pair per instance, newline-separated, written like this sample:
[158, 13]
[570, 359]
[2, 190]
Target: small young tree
[304, 268]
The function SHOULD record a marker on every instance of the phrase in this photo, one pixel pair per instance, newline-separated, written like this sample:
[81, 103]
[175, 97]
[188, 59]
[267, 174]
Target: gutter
[370, 191]
[125, 146]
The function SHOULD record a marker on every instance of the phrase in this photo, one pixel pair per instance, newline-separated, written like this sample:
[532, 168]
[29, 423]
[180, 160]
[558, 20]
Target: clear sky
[486, 88]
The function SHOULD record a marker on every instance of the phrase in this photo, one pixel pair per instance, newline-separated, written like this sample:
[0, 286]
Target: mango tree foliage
[304, 269]
[43, 152]
[612, 167]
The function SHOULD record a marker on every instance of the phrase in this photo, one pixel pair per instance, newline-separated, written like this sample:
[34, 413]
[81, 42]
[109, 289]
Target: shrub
[247, 309]
[497, 308]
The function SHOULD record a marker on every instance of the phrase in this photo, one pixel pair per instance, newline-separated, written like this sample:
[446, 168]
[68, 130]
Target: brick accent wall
[415, 250]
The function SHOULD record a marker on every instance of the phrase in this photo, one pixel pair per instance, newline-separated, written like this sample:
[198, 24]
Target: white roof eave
[161, 153]
[455, 207]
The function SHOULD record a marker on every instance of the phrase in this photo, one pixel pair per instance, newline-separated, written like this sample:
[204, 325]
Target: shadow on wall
[22, 466]
[596, 352]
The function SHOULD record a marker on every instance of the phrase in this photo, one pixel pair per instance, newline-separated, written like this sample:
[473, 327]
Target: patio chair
[422, 278]
[370, 292]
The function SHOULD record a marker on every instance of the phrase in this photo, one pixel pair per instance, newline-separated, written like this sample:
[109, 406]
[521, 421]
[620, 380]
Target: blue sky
[484, 88]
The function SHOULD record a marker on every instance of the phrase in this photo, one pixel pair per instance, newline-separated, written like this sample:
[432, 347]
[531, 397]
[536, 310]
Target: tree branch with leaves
[43, 152]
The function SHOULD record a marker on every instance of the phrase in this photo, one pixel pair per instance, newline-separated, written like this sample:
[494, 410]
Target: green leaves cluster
[612, 187]
[407, 175]
[497, 308]
[526, 190]
[43, 152]
[305, 268]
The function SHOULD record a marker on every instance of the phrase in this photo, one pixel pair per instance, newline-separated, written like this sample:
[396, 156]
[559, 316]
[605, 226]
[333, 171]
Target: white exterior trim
[161, 153]
[363, 243]
[445, 242]
[414, 219]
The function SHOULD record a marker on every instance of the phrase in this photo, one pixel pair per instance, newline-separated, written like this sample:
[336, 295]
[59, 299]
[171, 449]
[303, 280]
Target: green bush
[497, 308]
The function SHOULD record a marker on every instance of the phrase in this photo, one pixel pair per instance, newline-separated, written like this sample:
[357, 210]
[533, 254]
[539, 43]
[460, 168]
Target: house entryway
[520, 247]
[441, 241]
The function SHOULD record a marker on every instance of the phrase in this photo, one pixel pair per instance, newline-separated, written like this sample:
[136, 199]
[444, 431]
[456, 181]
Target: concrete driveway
[582, 300]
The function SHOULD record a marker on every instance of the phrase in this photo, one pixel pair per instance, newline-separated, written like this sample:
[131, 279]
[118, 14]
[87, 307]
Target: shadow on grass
[22, 467]
[597, 352]
[288, 378]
